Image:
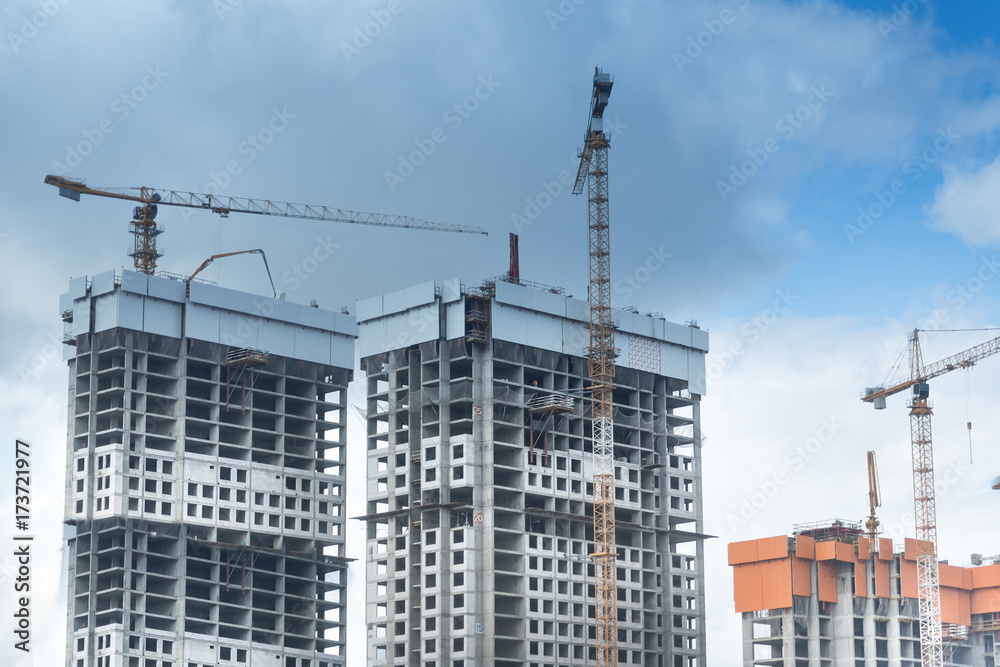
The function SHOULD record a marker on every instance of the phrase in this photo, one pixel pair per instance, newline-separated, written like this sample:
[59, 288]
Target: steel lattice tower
[601, 353]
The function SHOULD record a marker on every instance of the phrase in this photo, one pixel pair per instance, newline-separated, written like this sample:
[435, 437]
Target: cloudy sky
[823, 175]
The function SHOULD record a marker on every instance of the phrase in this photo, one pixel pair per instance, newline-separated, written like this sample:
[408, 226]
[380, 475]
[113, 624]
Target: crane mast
[601, 352]
[145, 229]
[924, 503]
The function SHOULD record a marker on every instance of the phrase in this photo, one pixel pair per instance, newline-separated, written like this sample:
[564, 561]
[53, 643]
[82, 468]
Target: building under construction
[479, 500]
[829, 596]
[205, 476]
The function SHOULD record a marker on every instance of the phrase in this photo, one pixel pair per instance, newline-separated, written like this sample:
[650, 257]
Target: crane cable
[968, 409]
[895, 366]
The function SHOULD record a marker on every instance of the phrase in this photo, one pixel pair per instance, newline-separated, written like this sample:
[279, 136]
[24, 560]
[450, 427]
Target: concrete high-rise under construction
[830, 597]
[205, 477]
[479, 500]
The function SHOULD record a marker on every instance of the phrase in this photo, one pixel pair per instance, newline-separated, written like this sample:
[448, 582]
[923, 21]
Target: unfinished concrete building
[205, 478]
[828, 597]
[479, 504]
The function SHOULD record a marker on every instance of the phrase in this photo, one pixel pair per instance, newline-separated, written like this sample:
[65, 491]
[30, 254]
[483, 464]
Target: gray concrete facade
[479, 505]
[205, 476]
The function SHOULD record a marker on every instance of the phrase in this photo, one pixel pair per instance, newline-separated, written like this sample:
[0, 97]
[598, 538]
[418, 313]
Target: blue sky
[284, 100]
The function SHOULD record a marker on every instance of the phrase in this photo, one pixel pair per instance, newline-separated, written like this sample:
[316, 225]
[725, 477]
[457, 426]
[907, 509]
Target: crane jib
[145, 253]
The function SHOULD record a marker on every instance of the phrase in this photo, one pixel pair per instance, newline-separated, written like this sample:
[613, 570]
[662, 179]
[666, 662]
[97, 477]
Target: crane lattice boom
[594, 170]
[146, 230]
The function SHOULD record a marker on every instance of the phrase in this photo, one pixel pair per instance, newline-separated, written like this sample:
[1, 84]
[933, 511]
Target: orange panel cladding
[805, 546]
[985, 600]
[952, 576]
[772, 547]
[742, 552]
[747, 588]
[864, 548]
[955, 606]
[885, 548]
[986, 576]
[882, 578]
[845, 552]
[801, 577]
[826, 551]
[776, 584]
[860, 579]
[908, 578]
[827, 572]
[910, 551]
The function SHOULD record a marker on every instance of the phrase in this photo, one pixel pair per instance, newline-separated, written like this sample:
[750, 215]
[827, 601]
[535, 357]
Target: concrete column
[843, 615]
[747, 638]
[483, 501]
[812, 619]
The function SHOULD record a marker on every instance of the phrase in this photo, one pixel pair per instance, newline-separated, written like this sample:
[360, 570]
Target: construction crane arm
[256, 251]
[226, 205]
[874, 500]
[598, 101]
[581, 174]
[895, 388]
[961, 360]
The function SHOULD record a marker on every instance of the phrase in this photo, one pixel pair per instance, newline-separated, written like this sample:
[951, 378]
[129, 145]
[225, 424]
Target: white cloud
[967, 204]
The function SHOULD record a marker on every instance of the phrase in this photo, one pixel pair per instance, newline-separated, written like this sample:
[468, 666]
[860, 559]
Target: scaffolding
[541, 413]
[244, 360]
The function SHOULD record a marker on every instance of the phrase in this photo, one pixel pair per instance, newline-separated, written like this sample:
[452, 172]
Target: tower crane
[145, 228]
[925, 511]
[594, 171]
[874, 500]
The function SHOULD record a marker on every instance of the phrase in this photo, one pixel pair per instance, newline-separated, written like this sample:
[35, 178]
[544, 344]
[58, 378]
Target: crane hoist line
[145, 228]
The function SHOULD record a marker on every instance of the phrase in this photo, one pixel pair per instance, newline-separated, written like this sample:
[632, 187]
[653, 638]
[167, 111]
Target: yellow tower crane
[594, 171]
[925, 510]
[145, 228]
[874, 501]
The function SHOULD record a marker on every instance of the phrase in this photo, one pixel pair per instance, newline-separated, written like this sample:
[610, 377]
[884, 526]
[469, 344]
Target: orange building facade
[827, 597]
